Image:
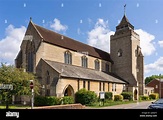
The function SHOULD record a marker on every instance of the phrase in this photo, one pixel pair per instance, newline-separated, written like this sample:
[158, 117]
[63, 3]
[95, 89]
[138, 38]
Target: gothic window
[119, 53]
[84, 84]
[113, 86]
[107, 67]
[100, 86]
[48, 78]
[103, 86]
[78, 84]
[88, 85]
[108, 87]
[30, 50]
[84, 61]
[124, 87]
[97, 64]
[30, 62]
[68, 57]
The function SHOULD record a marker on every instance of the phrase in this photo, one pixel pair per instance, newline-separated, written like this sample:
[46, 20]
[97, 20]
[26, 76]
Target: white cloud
[10, 45]
[160, 43]
[99, 36]
[137, 5]
[57, 26]
[156, 66]
[146, 42]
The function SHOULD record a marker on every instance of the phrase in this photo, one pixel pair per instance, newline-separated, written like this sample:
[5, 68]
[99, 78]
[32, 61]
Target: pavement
[137, 105]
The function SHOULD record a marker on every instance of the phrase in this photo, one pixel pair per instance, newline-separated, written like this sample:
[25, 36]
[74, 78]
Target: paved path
[138, 105]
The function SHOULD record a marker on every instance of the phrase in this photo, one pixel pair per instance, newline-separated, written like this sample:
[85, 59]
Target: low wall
[67, 106]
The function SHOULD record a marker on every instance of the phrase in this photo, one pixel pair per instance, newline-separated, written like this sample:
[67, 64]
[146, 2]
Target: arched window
[68, 57]
[97, 64]
[30, 61]
[84, 61]
[47, 78]
[30, 50]
[120, 53]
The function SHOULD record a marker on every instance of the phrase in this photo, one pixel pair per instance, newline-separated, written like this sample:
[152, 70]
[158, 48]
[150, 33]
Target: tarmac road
[138, 105]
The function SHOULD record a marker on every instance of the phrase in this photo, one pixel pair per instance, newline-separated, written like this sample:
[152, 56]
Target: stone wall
[67, 106]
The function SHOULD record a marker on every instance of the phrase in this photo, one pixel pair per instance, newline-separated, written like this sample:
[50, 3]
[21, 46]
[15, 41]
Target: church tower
[128, 59]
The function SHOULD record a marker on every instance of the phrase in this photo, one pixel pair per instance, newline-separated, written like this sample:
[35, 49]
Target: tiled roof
[124, 23]
[71, 44]
[71, 71]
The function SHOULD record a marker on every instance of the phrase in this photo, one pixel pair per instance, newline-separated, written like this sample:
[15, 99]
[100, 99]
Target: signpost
[32, 99]
[102, 97]
[6, 87]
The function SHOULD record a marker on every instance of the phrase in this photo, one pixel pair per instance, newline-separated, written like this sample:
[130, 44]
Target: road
[138, 105]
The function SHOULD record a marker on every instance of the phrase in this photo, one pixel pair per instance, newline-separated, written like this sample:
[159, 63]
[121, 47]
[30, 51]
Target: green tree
[20, 80]
[150, 78]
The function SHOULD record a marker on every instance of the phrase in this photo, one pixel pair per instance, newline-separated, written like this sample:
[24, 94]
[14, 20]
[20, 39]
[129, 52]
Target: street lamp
[32, 99]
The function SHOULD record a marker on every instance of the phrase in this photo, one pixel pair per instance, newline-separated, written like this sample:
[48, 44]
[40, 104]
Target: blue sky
[88, 21]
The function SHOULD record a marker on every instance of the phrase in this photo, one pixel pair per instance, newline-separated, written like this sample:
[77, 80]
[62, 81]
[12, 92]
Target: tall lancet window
[30, 56]
[84, 61]
[30, 61]
[68, 57]
[97, 64]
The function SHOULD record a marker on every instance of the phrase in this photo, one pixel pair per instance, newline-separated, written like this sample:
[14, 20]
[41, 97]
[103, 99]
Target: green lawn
[110, 103]
[15, 107]
[97, 104]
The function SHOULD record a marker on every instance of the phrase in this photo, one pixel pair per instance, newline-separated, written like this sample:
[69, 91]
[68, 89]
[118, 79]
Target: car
[158, 104]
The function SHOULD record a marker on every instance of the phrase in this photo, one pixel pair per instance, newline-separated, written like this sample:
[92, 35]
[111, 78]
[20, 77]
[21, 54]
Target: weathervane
[125, 9]
[30, 18]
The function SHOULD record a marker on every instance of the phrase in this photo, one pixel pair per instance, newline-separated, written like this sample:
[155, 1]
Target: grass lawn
[109, 103]
[15, 107]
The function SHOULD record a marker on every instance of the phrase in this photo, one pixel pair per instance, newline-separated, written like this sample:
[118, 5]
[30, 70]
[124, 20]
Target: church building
[64, 65]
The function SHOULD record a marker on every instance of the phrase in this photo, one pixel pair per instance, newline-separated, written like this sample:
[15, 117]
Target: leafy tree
[20, 81]
[150, 78]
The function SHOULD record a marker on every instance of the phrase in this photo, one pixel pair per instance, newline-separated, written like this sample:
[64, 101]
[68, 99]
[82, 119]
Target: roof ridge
[67, 37]
[66, 42]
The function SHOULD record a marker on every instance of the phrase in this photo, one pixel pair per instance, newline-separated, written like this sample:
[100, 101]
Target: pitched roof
[71, 44]
[124, 23]
[71, 71]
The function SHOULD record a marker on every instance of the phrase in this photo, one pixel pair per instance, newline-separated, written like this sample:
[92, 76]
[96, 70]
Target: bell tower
[128, 59]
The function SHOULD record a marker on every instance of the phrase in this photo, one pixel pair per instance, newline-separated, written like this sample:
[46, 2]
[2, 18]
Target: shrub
[108, 95]
[46, 100]
[153, 96]
[52, 100]
[85, 97]
[127, 95]
[39, 100]
[143, 97]
[67, 100]
[118, 97]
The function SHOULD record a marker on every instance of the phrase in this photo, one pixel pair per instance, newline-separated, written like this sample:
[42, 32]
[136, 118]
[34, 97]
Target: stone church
[64, 65]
